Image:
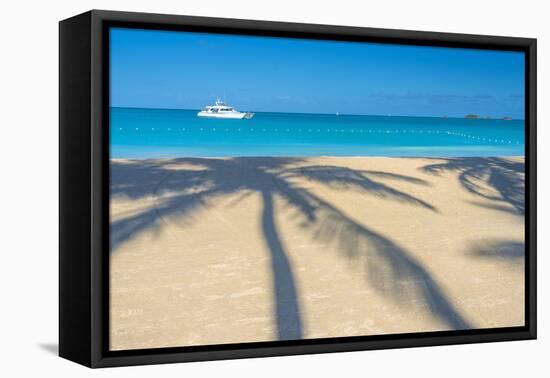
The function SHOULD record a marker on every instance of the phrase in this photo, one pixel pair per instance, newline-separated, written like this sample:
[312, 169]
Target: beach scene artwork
[269, 189]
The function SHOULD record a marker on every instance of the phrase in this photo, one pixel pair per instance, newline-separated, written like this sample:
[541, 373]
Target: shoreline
[115, 159]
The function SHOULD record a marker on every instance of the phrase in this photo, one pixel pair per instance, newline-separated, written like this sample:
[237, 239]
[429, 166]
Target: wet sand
[212, 251]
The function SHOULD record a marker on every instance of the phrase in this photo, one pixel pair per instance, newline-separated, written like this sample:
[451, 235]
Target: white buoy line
[337, 130]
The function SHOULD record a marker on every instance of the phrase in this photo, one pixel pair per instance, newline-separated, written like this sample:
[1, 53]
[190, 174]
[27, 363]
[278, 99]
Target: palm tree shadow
[181, 193]
[391, 268]
[499, 180]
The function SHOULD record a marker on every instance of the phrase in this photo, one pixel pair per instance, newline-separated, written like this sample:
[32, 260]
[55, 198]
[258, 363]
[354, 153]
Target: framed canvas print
[234, 188]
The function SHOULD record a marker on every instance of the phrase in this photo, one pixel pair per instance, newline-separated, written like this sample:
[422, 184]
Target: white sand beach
[212, 251]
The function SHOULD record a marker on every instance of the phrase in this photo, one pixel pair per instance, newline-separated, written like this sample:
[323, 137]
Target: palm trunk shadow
[287, 312]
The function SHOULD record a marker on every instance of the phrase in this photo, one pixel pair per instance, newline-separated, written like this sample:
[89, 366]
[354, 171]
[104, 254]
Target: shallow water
[156, 133]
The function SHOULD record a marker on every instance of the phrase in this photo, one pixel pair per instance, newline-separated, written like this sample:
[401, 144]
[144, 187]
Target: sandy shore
[210, 251]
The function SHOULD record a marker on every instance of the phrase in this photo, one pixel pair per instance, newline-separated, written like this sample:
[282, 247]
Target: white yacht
[222, 110]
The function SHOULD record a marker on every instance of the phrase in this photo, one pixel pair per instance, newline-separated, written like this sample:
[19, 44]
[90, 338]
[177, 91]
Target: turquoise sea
[160, 133]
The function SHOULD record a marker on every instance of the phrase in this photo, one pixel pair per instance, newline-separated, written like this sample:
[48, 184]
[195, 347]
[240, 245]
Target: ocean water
[162, 133]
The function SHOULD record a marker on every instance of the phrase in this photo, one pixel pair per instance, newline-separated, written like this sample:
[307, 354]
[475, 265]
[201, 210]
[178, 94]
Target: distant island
[475, 116]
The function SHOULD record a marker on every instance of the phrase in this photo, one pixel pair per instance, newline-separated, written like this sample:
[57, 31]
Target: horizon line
[478, 117]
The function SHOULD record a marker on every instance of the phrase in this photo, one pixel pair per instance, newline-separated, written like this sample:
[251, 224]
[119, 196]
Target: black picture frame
[84, 191]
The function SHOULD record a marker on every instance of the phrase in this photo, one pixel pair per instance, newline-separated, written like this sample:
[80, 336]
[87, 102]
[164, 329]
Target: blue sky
[161, 69]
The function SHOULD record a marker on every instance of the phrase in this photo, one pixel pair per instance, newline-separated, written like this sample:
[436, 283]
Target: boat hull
[226, 115]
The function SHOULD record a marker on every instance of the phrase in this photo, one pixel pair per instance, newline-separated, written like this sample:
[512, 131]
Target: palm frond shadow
[362, 180]
[391, 269]
[183, 192]
[505, 179]
[505, 250]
